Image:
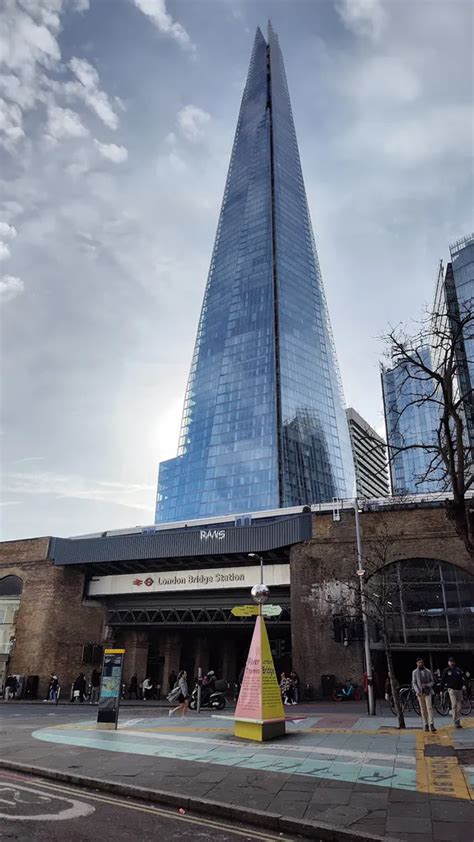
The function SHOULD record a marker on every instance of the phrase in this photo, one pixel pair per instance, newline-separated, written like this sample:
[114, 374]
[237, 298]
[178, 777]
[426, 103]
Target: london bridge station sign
[189, 580]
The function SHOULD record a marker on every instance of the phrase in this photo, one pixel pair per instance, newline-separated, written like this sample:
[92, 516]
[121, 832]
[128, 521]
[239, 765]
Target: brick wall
[331, 555]
[53, 621]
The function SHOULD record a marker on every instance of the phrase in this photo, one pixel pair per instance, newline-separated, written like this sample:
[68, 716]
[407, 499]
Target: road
[32, 808]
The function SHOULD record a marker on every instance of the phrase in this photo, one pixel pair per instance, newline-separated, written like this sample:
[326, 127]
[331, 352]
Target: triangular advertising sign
[259, 714]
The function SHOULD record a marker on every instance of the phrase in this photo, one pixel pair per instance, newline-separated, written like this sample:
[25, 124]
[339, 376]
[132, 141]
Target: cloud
[192, 121]
[10, 287]
[381, 79]
[157, 12]
[112, 152]
[88, 89]
[64, 123]
[4, 251]
[11, 124]
[7, 232]
[363, 17]
[64, 486]
[414, 140]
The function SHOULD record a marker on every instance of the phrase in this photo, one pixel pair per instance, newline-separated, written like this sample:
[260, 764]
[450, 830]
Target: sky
[116, 125]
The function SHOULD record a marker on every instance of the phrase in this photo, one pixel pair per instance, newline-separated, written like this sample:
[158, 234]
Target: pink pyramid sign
[260, 697]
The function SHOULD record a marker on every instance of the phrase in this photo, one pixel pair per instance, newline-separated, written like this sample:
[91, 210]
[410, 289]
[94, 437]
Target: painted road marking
[166, 813]
[21, 800]
[441, 776]
[236, 755]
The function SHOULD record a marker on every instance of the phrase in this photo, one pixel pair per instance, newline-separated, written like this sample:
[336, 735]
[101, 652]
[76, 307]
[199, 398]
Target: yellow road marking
[442, 776]
[157, 811]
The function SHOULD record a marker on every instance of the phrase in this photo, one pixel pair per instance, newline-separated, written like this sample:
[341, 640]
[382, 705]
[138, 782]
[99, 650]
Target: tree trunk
[394, 685]
[462, 516]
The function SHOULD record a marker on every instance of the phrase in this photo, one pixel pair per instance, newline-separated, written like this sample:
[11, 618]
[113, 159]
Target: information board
[110, 688]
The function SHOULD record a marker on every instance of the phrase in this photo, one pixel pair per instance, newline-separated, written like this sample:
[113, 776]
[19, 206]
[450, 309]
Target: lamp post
[360, 572]
[260, 558]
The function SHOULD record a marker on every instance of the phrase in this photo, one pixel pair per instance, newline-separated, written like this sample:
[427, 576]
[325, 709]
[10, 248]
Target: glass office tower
[459, 291]
[263, 423]
[408, 424]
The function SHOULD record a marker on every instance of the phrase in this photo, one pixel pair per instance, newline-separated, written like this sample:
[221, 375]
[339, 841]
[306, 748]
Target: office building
[370, 458]
[264, 425]
[411, 422]
[459, 290]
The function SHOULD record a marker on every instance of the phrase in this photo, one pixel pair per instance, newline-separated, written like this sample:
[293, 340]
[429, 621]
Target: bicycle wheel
[466, 705]
[441, 704]
[415, 703]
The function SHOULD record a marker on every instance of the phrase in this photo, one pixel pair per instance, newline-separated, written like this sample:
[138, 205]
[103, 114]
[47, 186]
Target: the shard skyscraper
[263, 425]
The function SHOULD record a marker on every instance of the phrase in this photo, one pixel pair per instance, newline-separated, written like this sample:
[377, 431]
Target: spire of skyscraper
[263, 424]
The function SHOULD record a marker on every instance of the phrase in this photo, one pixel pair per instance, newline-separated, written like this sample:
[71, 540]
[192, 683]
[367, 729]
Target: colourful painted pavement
[348, 749]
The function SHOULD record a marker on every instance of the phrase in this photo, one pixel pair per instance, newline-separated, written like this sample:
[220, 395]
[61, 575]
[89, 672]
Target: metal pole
[360, 573]
[261, 569]
[199, 690]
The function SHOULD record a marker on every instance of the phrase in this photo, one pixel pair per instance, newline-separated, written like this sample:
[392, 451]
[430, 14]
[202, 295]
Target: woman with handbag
[180, 694]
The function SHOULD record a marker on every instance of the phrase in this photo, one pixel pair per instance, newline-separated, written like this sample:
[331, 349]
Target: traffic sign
[244, 610]
[272, 610]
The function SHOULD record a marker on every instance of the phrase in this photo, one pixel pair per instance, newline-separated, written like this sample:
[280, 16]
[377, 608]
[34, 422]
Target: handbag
[174, 695]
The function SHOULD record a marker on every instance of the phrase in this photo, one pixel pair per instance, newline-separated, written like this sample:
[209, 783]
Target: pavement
[338, 774]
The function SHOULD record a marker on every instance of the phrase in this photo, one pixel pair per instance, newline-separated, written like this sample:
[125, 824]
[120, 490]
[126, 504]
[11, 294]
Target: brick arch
[12, 579]
[460, 564]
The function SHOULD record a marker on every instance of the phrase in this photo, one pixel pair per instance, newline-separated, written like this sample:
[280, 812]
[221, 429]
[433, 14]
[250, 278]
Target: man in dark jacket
[79, 688]
[453, 681]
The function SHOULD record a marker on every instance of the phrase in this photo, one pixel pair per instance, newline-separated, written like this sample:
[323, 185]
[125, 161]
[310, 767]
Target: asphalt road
[32, 808]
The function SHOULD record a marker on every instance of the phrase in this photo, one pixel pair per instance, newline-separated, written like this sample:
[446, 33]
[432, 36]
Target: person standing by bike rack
[422, 683]
[454, 681]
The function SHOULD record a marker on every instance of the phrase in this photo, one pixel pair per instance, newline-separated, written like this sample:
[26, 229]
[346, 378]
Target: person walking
[79, 688]
[147, 689]
[11, 686]
[295, 683]
[95, 687]
[183, 698]
[53, 689]
[286, 689]
[422, 682]
[133, 687]
[453, 680]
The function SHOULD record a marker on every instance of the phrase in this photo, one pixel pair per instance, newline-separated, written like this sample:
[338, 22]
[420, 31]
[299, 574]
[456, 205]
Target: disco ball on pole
[260, 593]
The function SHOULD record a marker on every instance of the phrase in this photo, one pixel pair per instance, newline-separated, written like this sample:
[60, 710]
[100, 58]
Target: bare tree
[433, 372]
[383, 588]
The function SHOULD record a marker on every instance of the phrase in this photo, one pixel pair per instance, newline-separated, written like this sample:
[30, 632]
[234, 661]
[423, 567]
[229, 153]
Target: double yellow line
[201, 821]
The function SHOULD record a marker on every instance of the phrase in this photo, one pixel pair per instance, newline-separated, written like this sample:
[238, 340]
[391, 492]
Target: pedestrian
[11, 686]
[79, 688]
[172, 679]
[95, 687]
[453, 679]
[295, 684]
[147, 689]
[53, 689]
[183, 698]
[285, 687]
[133, 686]
[422, 682]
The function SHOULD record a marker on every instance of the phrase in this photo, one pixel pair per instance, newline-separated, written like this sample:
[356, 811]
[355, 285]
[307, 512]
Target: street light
[360, 572]
[260, 558]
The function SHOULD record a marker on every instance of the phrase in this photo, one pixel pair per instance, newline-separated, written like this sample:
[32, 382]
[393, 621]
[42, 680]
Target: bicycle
[407, 698]
[442, 703]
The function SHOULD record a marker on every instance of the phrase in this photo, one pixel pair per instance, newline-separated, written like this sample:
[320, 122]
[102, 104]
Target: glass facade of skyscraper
[459, 286]
[263, 423]
[412, 422]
